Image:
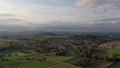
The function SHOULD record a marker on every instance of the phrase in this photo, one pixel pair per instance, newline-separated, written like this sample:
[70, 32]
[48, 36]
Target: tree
[112, 56]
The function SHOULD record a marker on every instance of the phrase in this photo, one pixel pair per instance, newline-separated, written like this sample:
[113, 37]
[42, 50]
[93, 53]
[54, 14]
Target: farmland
[53, 51]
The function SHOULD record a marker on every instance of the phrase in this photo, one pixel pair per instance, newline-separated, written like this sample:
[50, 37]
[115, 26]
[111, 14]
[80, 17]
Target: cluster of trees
[86, 56]
[83, 61]
[113, 57]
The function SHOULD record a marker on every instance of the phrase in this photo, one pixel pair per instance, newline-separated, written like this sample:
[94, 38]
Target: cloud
[109, 19]
[14, 24]
[102, 24]
[6, 15]
[107, 5]
[77, 27]
[106, 21]
[14, 14]
[39, 16]
[84, 3]
[10, 20]
[42, 14]
[101, 5]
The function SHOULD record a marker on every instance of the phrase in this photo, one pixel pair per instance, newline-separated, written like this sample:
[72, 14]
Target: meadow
[116, 65]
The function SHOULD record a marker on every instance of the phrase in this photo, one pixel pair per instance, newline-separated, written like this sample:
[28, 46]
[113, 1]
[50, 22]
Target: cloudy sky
[60, 15]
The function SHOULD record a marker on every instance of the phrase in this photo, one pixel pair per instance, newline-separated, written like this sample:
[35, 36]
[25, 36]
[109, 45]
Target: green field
[100, 54]
[37, 65]
[116, 65]
[59, 58]
[113, 51]
[107, 52]
[102, 64]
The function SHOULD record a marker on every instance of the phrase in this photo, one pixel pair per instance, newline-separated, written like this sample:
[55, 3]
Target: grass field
[37, 64]
[50, 60]
[102, 64]
[59, 58]
[113, 51]
[1, 66]
[116, 65]
[100, 54]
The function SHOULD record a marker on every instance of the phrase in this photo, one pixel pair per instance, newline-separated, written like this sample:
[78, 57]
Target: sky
[60, 15]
